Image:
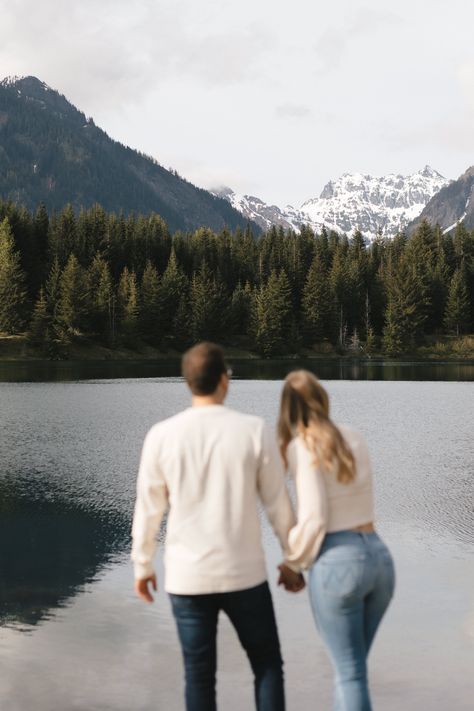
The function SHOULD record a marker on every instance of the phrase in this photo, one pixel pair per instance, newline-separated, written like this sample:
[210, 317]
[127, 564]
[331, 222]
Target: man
[210, 465]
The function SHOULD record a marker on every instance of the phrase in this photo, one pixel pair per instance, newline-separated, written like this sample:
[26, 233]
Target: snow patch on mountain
[260, 212]
[371, 204]
[455, 224]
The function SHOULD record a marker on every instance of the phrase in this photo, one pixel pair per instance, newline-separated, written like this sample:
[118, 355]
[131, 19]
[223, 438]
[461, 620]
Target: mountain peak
[39, 94]
[28, 81]
[28, 85]
[429, 172]
[222, 191]
[467, 173]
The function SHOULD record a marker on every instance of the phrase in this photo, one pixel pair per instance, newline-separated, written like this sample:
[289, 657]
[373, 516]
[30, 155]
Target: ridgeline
[51, 153]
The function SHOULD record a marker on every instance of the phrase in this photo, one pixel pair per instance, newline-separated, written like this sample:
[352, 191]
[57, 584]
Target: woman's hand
[291, 581]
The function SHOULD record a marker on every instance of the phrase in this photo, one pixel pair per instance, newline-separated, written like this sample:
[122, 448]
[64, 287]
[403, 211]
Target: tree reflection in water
[49, 549]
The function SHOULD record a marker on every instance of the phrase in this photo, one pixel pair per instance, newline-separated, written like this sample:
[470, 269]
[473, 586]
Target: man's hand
[142, 589]
[292, 582]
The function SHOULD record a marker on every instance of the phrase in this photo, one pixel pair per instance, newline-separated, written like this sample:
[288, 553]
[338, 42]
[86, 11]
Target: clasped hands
[291, 581]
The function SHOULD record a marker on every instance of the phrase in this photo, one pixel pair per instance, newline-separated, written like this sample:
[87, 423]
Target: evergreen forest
[125, 280]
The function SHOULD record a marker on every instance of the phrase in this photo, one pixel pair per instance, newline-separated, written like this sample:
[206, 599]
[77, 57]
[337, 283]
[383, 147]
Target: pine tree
[271, 315]
[40, 231]
[240, 309]
[339, 280]
[182, 324]
[421, 252]
[123, 292]
[12, 283]
[355, 345]
[72, 300]
[174, 285]
[393, 335]
[128, 304]
[358, 277]
[40, 321]
[100, 291]
[439, 288]
[151, 305]
[375, 284]
[405, 313]
[64, 235]
[208, 317]
[322, 248]
[456, 315]
[53, 291]
[132, 307]
[463, 253]
[369, 331]
[317, 304]
[370, 341]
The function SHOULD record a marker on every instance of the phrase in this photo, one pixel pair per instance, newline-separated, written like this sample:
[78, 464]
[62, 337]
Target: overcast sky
[270, 97]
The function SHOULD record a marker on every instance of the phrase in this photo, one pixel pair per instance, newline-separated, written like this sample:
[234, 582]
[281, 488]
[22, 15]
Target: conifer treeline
[126, 280]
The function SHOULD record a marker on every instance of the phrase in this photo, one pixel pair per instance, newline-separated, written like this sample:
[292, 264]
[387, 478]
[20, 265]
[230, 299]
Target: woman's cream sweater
[325, 505]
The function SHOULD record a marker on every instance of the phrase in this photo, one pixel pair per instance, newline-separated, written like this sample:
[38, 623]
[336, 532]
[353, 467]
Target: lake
[72, 634]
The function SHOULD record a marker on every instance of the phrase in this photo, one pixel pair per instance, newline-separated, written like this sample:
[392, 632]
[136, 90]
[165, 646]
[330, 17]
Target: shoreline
[17, 349]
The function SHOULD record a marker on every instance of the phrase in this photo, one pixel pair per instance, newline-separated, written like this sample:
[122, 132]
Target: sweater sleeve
[306, 537]
[151, 504]
[272, 489]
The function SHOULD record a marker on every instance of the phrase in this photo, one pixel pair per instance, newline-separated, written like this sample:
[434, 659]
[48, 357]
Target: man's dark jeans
[251, 613]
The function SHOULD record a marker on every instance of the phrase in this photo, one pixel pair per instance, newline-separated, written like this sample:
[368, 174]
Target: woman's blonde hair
[304, 410]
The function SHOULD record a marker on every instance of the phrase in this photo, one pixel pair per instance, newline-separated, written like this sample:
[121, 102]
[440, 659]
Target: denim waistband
[345, 537]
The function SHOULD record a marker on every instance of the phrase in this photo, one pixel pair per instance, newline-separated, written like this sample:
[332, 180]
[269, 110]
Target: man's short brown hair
[202, 367]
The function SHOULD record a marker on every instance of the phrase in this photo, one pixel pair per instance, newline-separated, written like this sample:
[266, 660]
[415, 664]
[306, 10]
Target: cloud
[115, 51]
[454, 134]
[450, 126]
[222, 58]
[465, 76]
[293, 111]
[334, 42]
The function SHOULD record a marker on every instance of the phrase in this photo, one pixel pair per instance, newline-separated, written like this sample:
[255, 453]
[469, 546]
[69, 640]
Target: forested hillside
[51, 153]
[126, 280]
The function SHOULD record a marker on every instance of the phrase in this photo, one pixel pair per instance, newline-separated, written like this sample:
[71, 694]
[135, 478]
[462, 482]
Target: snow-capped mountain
[260, 212]
[385, 204]
[372, 204]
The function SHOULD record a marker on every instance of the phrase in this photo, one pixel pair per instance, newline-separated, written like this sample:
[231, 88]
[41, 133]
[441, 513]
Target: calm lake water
[72, 635]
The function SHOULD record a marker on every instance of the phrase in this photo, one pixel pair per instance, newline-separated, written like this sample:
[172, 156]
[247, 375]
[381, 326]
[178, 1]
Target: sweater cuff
[143, 571]
[293, 566]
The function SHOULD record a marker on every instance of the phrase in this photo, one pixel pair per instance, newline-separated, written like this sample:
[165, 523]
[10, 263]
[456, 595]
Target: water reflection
[255, 369]
[356, 369]
[49, 549]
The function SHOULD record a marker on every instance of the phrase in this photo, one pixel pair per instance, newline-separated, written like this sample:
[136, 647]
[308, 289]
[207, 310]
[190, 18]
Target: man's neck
[206, 400]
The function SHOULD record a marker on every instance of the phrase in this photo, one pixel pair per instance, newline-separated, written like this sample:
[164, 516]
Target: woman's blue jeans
[350, 585]
[251, 613]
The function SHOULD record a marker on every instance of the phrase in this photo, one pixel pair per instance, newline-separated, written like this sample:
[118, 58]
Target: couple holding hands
[209, 467]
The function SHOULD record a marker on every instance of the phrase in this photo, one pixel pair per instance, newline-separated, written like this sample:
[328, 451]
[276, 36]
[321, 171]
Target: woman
[351, 574]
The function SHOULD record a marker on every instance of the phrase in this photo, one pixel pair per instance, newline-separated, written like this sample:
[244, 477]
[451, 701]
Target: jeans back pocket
[342, 578]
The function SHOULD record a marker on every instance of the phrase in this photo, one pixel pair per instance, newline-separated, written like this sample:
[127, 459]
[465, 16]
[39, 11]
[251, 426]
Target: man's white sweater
[209, 465]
